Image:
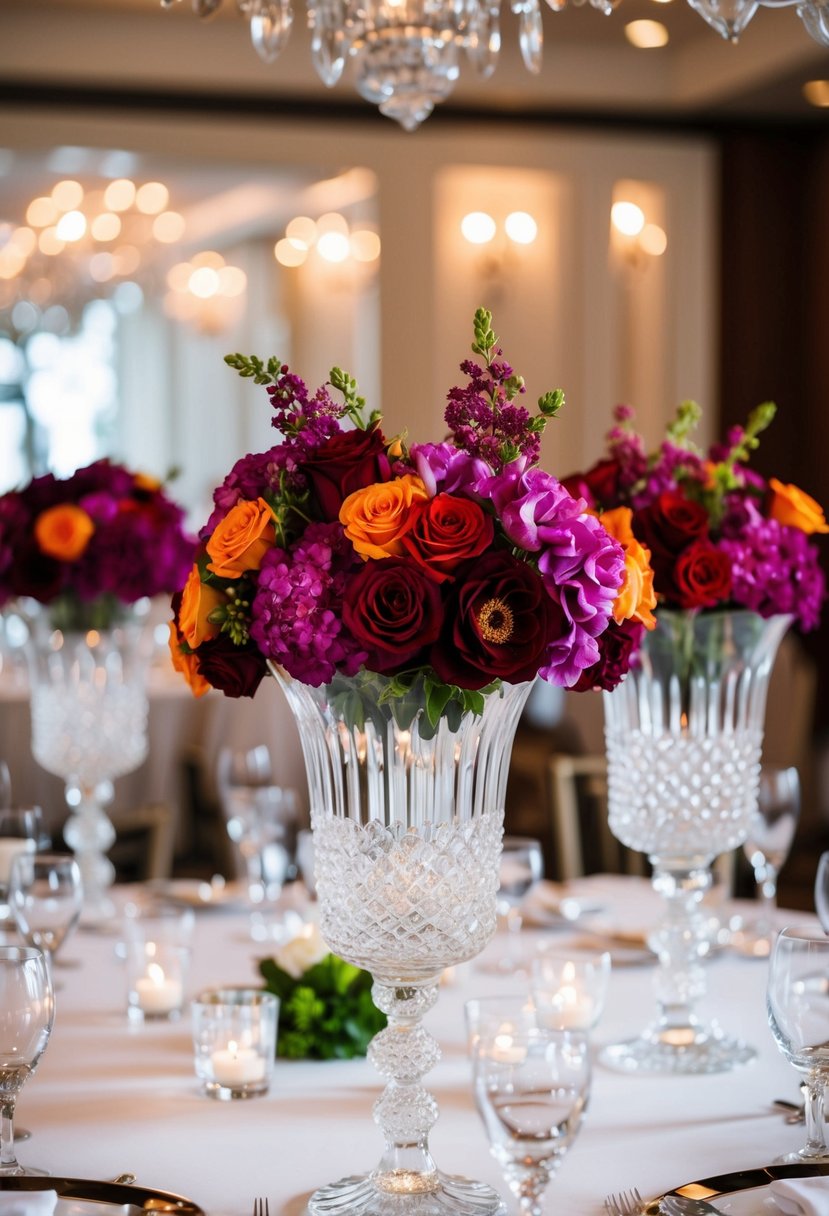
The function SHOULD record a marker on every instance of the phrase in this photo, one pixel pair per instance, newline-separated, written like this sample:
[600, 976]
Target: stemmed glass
[770, 836]
[20, 830]
[822, 892]
[798, 1011]
[521, 867]
[27, 1012]
[46, 897]
[531, 1089]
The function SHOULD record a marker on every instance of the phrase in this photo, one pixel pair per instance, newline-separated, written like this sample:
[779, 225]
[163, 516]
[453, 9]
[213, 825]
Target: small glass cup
[569, 988]
[157, 945]
[234, 1041]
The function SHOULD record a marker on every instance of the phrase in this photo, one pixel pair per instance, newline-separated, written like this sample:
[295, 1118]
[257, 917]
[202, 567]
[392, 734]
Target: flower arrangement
[325, 1006]
[718, 534]
[89, 543]
[442, 567]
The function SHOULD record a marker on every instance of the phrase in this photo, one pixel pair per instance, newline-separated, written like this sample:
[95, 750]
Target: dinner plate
[199, 894]
[745, 1193]
[86, 1197]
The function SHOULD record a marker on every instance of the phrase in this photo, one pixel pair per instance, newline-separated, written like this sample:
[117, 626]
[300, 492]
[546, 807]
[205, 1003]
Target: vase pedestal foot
[678, 1050]
[362, 1196]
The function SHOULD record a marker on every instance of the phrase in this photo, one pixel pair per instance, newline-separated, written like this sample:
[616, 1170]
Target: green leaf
[437, 698]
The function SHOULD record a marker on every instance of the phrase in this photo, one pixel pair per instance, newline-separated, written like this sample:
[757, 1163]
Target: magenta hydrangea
[296, 613]
[253, 476]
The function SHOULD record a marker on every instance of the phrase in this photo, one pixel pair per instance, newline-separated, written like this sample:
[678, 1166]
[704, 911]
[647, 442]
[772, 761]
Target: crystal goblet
[798, 1010]
[27, 1012]
[531, 1088]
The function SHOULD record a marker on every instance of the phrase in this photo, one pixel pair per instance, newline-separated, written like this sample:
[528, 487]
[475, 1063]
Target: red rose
[599, 486]
[617, 649]
[447, 531]
[236, 671]
[344, 463]
[499, 621]
[702, 576]
[393, 610]
[668, 526]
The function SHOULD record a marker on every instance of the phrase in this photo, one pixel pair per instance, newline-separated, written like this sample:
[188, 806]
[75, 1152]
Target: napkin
[28, 1203]
[801, 1196]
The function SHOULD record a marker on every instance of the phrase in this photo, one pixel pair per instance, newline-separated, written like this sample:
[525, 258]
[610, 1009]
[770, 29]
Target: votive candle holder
[234, 1041]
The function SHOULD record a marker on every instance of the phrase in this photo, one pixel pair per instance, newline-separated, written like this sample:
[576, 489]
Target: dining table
[112, 1096]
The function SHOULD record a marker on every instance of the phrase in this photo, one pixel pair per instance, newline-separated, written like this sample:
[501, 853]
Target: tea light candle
[569, 1007]
[505, 1050]
[156, 993]
[234, 1065]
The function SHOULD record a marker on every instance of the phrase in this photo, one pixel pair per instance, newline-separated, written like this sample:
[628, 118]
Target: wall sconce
[328, 238]
[480, 228]
[634, 239]
[205, 292]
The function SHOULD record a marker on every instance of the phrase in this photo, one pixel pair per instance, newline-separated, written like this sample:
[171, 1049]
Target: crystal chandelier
[407, 53]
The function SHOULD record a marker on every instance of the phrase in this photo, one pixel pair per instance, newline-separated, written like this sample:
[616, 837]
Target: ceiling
[98, 50]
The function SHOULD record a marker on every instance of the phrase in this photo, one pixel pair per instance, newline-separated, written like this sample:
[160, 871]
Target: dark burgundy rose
[599, 486]
[669, 525]
[236, 671]
[499, 620]
[35, 574]
[617, 652]
[702, 576]
[344, 463]
[393, 610]
[448, 530]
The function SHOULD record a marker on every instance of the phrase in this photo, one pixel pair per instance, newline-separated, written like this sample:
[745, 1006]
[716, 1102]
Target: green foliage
[252, 368]
[326, 1014]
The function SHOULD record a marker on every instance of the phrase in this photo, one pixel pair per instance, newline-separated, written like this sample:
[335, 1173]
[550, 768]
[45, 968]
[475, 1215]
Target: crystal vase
[407, 823]
[684, 734]
[89, 725]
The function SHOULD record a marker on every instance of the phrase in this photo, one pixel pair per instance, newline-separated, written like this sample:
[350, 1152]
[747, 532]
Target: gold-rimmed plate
[743, 1193]
[87, 1197]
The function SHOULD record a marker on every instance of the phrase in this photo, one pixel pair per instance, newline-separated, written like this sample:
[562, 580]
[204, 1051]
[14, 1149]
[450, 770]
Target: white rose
[301, 952]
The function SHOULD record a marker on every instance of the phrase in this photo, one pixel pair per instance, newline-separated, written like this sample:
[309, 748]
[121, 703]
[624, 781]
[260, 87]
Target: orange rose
[376, 517]
[792, 506]
[187, 664]
[143, 481]
[197, 602]
[241, 539]
[64, 532]
[636, 598]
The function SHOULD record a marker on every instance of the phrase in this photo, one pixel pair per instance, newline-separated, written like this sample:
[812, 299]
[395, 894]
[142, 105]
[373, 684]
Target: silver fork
[260, 1207]
[626, 1203]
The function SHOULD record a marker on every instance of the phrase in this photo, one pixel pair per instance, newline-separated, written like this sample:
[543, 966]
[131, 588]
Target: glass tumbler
[157, 947]
[234, 1041]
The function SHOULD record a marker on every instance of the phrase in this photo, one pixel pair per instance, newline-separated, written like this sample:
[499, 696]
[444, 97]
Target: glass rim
[804, 933]
[21, 954]
[238, 996]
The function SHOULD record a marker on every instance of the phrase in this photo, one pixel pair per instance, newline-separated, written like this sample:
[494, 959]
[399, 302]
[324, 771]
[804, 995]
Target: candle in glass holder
[234, 1041]
[156, 992]
[234, 1065]
[569, 991]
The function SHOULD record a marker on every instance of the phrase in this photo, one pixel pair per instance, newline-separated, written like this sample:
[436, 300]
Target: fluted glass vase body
[89, 725]
[407, 822]
[684, 735]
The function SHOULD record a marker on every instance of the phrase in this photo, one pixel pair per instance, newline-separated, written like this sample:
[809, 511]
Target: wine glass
[46, 897]
[822, 891]
[531, 1089]
[27, 1012]
[522, 865]
[770, 835]
[798, 1011]
[20, 831]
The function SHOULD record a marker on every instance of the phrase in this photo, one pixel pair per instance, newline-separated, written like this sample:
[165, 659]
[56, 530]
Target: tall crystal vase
[407, 824]
[89, 725]
[684, 734]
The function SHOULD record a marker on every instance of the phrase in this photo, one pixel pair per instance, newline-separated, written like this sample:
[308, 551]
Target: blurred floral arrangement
[325, 1006]
[90, 543]
[442, 568]
[718, 534]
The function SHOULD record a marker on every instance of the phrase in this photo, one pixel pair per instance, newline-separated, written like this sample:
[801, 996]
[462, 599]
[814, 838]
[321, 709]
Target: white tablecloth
[110, 1097]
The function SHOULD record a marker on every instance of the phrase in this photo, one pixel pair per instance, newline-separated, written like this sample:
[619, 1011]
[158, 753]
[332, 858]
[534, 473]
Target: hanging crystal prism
[270, 26]
[815, 16]
[329, 40]
[727, 17]
[483, 39]
[206, 8]
[530, 33]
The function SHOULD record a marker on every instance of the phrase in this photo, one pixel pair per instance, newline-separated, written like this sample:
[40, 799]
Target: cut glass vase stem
[684, 734]
[407, 822]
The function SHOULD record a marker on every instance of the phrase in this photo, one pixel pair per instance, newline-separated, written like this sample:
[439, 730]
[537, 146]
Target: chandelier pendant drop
[408, 53]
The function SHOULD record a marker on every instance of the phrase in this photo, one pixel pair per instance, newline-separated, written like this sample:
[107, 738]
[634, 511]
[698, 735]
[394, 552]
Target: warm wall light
[478, 227]
[521, 227]
[646, 34]
[627, 218]
[653, 240]
[635, 239]
[201, 289]
[331, 238]
[816, 92]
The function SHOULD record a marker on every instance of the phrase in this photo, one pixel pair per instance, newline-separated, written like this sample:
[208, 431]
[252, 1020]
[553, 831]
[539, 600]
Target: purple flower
[534, 508]
[256, 475]
[444, 469]
[297, 611]
[774, 567]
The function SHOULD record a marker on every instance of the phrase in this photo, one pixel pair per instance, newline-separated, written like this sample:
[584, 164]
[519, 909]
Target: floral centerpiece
[451, 566]
[325, 1006]
[85, 544]
[718, 534]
